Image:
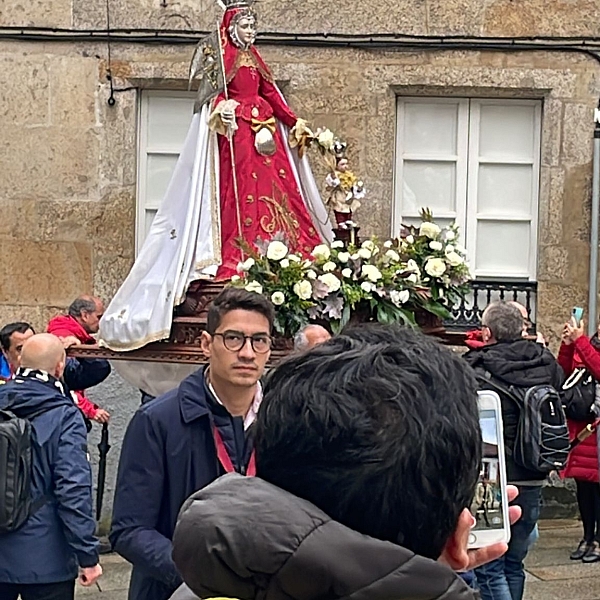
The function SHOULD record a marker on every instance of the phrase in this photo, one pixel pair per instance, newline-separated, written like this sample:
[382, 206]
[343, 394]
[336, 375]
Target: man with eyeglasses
[180, 442]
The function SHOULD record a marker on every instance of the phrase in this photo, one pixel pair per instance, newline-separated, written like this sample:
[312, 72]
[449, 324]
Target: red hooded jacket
[583, 460]
[66, 326]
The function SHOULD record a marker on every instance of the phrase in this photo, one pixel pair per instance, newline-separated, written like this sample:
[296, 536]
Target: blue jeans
[504, 579]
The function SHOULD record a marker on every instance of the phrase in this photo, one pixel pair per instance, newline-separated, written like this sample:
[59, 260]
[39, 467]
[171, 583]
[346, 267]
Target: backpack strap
[488, 379]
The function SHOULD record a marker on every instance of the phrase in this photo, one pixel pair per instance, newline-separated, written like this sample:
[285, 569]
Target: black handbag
[579, 395]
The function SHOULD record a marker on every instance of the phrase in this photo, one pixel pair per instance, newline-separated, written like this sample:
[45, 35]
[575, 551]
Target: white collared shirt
[252, 412]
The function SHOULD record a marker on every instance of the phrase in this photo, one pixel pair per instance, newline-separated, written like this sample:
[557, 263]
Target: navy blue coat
[168, 454]
[59, 537]
[84, 373]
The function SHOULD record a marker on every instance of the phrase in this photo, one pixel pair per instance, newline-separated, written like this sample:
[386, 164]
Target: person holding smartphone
[509, 361]
[577, 351]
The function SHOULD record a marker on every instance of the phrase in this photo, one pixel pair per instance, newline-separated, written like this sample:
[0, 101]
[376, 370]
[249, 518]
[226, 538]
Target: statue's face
[246, 31]
[342, 165]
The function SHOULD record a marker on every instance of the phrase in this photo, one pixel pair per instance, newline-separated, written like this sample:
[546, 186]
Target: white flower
[371, 272]
[285, 263]
[235, 279]
[331, 281]
[322, 251]
[328, 267]
[369, 245]
[449, 248]
[393, 255]
[414, 278]
[355, 256]
[278, 298]
[410, 239]
[311, 274]
[454, 259]
[344, 257]
[303, 289]
[365, 253]
[435, 267]
[450, 235]
[413, 267]
[277, 250]
[347, 273]
[326, 139]
[436, 246]
[399, 298]
[388, 244]
[337, 244]
[430, 230]
[367, 287]
[254, 286]
[294, 258]
[246, 265]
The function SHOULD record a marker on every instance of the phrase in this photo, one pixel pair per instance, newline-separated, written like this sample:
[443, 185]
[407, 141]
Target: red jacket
[583, 460]
[66, 326]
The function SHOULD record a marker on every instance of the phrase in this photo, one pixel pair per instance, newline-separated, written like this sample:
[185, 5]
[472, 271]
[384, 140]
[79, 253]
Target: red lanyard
[225, 459]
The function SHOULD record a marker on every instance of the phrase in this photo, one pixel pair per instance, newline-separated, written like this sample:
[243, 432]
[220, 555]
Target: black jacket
[243, 538]
[522, 363]
[168, 453]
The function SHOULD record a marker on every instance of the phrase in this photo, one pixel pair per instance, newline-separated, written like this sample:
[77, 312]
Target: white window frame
[143, 150]
[467, 162]
[473, 217]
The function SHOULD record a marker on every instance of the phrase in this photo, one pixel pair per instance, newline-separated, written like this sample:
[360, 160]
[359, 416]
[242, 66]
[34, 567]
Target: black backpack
[16, 504]
[542, 441]
[579, 396]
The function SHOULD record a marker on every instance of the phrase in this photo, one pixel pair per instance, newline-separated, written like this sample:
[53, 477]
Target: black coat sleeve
[84, 373]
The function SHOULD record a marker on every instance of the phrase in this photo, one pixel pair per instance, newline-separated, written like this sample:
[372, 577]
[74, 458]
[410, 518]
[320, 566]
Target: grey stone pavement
[550, 573]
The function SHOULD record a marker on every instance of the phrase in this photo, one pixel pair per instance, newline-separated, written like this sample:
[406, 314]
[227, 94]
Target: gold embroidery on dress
[280, 217]
[247, 59]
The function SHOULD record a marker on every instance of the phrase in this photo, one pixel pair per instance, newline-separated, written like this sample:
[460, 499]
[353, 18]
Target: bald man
[310, 336]
[43, 557]
[526, 322]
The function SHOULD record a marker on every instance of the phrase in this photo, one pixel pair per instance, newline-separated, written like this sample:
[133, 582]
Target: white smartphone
[490, 504]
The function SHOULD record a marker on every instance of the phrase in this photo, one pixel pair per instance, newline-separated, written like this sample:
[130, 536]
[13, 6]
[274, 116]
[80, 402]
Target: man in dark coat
[42, 558]
[180, 442]
[507, 359]
[368, 451]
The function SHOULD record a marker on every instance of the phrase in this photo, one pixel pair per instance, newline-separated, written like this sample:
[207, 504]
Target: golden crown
[228, 4]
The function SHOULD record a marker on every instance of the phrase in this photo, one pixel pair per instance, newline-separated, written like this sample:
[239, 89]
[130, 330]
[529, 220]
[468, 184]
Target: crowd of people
[348, 470]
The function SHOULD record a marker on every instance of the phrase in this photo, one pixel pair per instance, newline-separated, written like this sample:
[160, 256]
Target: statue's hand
[223, 119]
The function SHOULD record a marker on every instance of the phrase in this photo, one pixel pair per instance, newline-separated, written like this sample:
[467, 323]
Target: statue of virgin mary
[237, 180]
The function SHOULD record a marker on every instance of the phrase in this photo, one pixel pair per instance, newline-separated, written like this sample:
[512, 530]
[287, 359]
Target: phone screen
[487, 504]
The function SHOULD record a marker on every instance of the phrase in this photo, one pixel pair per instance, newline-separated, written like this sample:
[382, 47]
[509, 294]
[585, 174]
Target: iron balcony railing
[467, 314]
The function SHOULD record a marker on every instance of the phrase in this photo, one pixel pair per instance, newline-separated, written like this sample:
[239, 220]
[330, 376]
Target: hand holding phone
[490, 504]
[577, 315]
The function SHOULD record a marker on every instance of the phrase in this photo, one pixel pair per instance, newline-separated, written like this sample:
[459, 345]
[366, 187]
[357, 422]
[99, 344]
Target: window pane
[168, 121]
[507, 132]
[505, 190]
[503, 248]
[148, 218]
[430, 128]
[429, 184]
[158, 174]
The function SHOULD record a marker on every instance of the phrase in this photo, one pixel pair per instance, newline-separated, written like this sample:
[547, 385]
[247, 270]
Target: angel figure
[345, 191]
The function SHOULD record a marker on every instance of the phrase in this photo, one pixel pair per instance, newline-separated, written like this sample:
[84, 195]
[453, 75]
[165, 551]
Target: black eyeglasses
[234, 341]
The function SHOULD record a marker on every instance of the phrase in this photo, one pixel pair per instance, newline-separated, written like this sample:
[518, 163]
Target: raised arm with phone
[579, 356]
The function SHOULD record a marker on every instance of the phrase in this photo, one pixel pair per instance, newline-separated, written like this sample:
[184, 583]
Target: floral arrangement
[424, 269]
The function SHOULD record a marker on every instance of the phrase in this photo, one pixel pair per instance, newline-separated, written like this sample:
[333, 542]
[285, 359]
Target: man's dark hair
[82, 304]
[232, 298]
[379, 428]
[504, 320]
[7, 331]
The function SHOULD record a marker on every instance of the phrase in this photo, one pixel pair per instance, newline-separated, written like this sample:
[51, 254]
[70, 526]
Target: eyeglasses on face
[234, 341]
